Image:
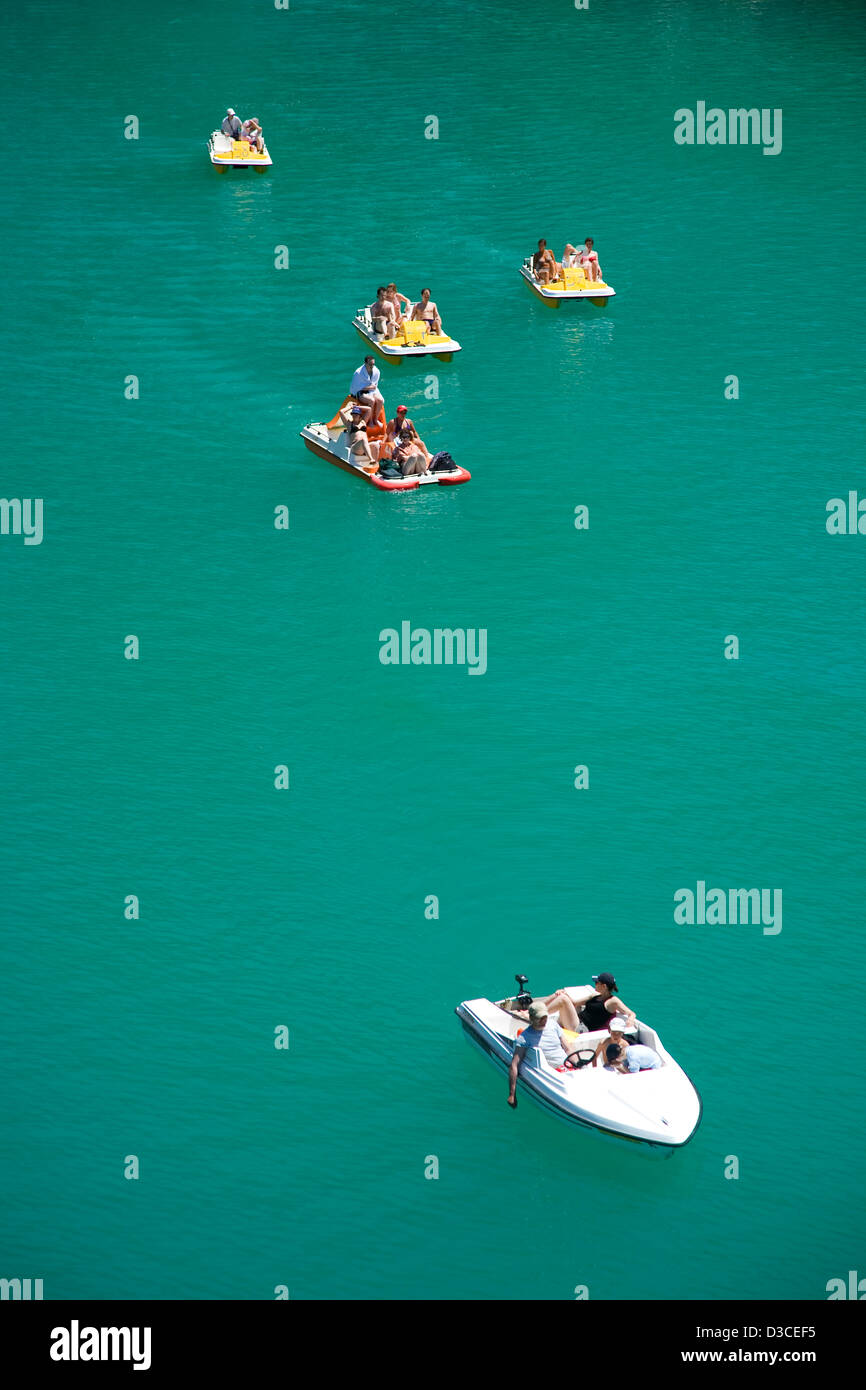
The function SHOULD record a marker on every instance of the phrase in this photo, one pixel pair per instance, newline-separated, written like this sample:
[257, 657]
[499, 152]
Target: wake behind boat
[659, 1109]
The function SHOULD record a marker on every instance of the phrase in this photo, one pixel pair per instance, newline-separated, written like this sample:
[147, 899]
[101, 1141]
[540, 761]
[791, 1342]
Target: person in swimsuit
[395, 296]
[597, 1012]
[252, 131]
[362, 453]
[544, 263]
[384, 314]
[425, 311]
[589, 260]
[231, 125]
[570, 258]
[407, 456]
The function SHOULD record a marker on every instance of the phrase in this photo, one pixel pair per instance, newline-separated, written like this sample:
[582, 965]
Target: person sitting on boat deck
[570, 258]
[399, 425]
[363, 388]
[383, 314]
[597, 1012]
[425, 311]
[252, 131]
[544, 263]
[543, 1032]
[407, 455]
[231, 126]
[395, 296]
[589, 260]
[362, 451]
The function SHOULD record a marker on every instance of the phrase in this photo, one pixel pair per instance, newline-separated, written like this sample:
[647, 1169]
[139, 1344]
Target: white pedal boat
[658, 1109]
[570, 284]
[226, 153]
[413, 339]
[328, 441]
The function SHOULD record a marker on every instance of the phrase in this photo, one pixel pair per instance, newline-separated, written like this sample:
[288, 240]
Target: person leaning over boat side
[620, 1055]
[231, 126]
[252, 131]
[544, 263]
[363, 388]
[361, 451]
[425, 311]
[383, 314]
[543, 1032]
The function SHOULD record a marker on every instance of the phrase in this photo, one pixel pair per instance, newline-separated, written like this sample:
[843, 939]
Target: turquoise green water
[259, 647]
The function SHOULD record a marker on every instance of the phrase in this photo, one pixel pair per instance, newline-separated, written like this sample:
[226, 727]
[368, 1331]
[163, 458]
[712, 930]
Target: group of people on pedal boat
[249, 130]
[545, 266]
[388, 317]
[602, 1012]
[400, 443]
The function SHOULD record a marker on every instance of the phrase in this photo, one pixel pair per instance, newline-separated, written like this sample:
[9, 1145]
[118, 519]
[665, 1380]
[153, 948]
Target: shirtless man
[384, 314]
[425, 311]
[544, 263]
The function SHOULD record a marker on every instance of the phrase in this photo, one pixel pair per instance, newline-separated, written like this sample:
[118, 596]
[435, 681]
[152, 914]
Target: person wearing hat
[252, 131]
[597, 1012]
[231, 125]
[543, 1032]
[620, 1055]
[384, 315]
[362, 452]
[400, 426]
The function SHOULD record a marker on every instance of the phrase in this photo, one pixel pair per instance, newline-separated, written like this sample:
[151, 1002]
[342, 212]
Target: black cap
[605, 979]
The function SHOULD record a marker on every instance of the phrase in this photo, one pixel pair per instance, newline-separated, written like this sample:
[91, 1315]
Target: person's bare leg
[560, 1004]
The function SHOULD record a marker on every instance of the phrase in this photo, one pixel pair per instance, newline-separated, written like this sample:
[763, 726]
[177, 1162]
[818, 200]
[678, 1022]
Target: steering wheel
[584, 1056]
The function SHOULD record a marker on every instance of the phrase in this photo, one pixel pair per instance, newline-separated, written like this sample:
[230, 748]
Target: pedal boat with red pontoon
[328, 441]
[658, 1109]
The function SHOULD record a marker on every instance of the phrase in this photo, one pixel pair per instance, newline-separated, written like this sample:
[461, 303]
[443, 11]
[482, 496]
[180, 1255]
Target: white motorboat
[660, 1109]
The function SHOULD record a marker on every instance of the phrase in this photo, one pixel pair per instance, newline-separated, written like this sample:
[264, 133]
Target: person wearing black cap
[598, 1011]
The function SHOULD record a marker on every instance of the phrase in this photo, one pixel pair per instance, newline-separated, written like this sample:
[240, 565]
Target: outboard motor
[524, 998]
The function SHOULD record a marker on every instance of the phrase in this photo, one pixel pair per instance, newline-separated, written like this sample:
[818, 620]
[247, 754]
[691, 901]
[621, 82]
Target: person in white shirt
[363, 388]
